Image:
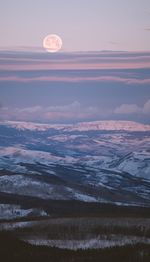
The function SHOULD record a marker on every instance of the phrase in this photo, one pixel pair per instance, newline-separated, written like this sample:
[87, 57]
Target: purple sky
[81, 82]
[83, 24]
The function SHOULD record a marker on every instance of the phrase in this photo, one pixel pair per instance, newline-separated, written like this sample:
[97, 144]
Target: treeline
[86, 228]
[14, 250]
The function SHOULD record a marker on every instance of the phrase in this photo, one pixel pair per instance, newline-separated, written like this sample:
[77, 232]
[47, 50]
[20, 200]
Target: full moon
[52, 43]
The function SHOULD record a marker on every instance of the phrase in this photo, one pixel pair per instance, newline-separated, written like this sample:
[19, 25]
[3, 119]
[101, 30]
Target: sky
[84, 25]
[101, 73]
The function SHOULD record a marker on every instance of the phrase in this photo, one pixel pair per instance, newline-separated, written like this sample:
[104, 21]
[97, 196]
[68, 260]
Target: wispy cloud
[76, 79]
[24, 61]
[113, 43]
[21, 49]
[26, 67]
[147, 11]
[147, 29]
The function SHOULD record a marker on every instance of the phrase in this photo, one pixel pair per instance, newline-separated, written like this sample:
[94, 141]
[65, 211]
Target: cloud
[113, 43]
[31, 110]
[31, 61]
[147, 11]
[21, 49]
[77, 79]
[127, 109]
[28, 67]
[73, 107]
[146, 107]
[147, 29]
[71, 112]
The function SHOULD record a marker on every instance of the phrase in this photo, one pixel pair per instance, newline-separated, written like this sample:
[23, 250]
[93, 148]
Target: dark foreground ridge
[14, 250]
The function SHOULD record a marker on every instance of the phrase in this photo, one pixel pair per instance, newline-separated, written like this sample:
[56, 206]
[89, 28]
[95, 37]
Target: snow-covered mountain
[110, 126]
[82, 126]
[102, 161]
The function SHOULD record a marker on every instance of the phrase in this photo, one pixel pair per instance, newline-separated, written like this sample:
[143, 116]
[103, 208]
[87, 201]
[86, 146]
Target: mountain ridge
[99, 161]
[111, 125]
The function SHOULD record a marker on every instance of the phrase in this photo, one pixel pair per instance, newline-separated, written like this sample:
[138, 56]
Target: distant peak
[81, 126]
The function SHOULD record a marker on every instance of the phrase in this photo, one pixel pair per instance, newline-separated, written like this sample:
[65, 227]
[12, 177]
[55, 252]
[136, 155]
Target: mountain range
[99, 161]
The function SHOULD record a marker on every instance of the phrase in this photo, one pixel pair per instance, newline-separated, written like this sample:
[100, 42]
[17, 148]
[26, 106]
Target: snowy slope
[103, 161]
